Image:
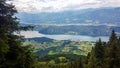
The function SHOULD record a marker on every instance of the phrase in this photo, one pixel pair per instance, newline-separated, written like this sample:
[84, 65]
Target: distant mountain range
[86, 16]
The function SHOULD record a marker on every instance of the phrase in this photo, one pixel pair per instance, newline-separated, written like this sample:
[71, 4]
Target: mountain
[88, 30]
[86, 16]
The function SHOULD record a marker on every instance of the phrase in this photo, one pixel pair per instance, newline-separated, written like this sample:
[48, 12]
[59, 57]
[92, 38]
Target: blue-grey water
[77, 37]
[32, 34]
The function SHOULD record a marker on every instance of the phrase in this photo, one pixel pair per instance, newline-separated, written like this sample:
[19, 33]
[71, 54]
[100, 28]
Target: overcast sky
[35, 6]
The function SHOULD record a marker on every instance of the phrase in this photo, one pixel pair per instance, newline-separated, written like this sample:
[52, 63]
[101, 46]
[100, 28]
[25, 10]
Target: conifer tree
[92, 59]
[113, 37]
[111, 56]
[12, 54]
[96, 55]
[99, 52]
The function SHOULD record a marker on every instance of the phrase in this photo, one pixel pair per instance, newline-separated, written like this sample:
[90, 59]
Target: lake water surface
[32, 34]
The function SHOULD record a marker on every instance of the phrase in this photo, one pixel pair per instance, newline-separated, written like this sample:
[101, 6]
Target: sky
[36, 6]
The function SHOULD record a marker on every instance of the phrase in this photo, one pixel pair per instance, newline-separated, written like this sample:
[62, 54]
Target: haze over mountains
[86, 16]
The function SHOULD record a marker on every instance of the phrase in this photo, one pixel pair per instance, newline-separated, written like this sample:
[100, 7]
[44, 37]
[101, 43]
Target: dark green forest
[14, 55]
[89, 30]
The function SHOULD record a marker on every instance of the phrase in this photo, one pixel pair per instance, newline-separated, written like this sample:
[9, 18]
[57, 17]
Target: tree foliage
[12, 54]
[106, 55]
[102, 55]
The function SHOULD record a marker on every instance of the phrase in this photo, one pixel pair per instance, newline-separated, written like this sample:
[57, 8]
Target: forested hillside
[102, 55]
[54, 47]
[89, 30]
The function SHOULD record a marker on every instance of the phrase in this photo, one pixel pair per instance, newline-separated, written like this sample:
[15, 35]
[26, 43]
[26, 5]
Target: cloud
[35, 6]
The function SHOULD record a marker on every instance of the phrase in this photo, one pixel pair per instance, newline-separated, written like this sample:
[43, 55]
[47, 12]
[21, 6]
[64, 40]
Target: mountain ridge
[86, 16]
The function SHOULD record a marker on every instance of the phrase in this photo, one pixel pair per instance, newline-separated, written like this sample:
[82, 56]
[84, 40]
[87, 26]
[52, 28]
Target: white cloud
[33, 6]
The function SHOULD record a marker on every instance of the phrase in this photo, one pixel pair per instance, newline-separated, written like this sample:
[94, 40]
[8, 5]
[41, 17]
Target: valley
[48, 50]
[46, 46]
[65, 43]
[59, 34]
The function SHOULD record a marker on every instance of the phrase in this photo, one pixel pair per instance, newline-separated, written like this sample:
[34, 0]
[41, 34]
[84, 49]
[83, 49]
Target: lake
[32, 34]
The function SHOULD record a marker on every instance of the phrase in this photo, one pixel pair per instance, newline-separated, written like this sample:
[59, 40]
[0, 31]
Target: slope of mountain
[89, 30]
[87, 16]
[46, 46]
